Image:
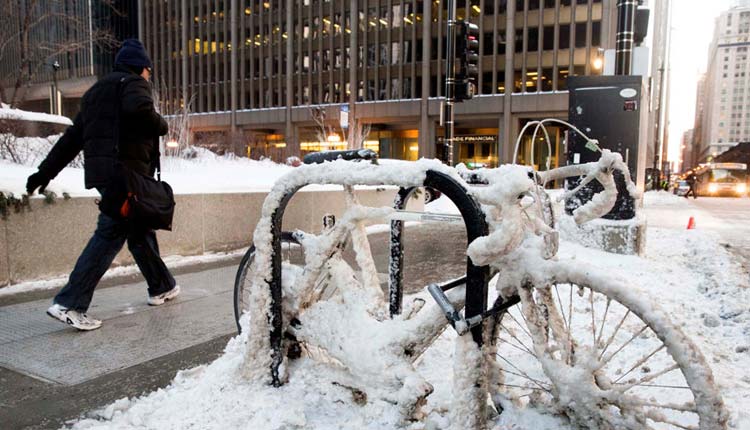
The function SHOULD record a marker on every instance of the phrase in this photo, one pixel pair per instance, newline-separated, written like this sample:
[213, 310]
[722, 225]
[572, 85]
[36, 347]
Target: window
[532, 36]
[548, 38]
[580, 35]
[519, 40]
[564, 36]
[487, 40]
[596, 33]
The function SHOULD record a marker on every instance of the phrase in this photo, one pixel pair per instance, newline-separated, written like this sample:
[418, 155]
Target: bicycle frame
[477, 277]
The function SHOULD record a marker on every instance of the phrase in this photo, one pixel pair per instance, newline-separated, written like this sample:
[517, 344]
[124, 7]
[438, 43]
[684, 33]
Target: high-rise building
[80, 36]
[725, 117]
[686, 151]
[258, 74]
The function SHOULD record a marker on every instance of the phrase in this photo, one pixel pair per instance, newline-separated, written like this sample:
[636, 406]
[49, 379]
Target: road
[726, 216]
[731, 221]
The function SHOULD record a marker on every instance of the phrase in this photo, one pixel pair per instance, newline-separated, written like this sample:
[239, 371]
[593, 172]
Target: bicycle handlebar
[603, 171]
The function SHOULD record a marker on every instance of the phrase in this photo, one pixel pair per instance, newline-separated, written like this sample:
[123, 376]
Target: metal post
[450, 85]
[55, 108]
[625, 36]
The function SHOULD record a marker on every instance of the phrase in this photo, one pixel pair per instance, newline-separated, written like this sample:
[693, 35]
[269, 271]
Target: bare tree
[35, 32]
[178, 137]
[354, 135]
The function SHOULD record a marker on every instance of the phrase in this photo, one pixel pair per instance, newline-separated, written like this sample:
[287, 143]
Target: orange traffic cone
[691, 223]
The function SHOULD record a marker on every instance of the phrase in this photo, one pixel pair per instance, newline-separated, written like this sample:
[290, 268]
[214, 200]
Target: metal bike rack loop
[476, 276]
[476, 226]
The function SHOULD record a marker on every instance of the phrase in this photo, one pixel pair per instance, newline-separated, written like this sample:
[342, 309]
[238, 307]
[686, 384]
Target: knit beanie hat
[133, 53]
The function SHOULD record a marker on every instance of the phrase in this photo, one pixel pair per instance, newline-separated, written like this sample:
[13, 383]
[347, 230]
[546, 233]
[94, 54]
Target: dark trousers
[691, 190]
[108, 239]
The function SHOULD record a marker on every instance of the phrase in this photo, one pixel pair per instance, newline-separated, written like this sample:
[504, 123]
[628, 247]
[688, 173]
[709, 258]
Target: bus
[728, 179]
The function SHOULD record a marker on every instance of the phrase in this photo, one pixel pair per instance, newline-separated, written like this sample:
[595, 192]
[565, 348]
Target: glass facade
[272, 56]
[383, 41]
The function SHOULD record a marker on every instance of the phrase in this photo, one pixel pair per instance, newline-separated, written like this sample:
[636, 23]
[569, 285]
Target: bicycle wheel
[292, 263]
[587, 346]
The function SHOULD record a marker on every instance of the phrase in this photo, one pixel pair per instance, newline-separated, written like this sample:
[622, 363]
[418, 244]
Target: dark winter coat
[94, 130]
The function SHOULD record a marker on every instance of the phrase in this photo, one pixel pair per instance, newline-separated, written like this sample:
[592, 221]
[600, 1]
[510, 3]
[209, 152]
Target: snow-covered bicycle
[533, 329]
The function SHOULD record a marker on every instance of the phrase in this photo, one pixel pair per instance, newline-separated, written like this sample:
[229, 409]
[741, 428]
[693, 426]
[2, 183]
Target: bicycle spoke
[521, 387]
[625, 387]
[685, 407]
[517, 339]
[640, 362]
[522, 349]
[606, 360]
[659, 419]
[519, 324]
[604, 321]
[611, 338]
[570, 312]
[593, 319]
[524, 373]
[562, 309]
[536, 381]
[675, 387]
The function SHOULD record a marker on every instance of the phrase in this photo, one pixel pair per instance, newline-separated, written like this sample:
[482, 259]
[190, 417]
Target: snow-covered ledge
[44, 242]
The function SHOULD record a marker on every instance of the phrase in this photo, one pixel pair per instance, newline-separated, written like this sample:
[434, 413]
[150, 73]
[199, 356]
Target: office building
[725, 118]
[255, 72]
[80, 36]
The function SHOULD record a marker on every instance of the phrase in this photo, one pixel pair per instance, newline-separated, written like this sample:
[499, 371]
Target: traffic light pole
[450, 85]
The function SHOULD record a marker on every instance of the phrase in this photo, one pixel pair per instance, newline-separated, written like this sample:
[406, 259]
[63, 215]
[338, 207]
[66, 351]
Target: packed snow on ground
[693, 278]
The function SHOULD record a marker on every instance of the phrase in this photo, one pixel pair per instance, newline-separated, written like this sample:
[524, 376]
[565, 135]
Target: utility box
[613, 110]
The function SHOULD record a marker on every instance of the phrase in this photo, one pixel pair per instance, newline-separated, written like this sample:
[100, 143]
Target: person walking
[117, 125]
[691, 180]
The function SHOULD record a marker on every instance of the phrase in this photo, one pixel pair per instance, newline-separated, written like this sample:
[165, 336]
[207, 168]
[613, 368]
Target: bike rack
[476, 226]
[476, 276]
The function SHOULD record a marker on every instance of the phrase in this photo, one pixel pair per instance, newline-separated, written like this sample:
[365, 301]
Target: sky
[692, 30]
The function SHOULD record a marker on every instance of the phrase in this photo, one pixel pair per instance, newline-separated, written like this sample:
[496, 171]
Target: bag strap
[118, 108]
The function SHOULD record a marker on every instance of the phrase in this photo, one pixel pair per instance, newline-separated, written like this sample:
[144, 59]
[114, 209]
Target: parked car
[681, 188]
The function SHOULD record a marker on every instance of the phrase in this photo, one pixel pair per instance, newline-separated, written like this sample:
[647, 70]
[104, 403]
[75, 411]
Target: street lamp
[54, 99]
[598, 63]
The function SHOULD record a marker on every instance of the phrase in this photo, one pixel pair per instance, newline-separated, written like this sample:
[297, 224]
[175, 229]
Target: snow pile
[30, 151]
[6, 112]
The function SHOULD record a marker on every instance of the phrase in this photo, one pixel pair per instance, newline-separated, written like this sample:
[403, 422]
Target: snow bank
[17, 114]
[204, 174]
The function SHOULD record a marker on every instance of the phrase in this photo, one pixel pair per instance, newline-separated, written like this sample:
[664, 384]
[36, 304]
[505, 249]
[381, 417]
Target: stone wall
[46, 240]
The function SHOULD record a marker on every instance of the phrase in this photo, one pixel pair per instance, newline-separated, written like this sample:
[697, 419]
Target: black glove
[37, 180]
[163, 126]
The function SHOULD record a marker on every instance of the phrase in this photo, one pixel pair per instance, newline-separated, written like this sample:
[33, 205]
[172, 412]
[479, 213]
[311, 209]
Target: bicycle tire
[706, 404]
[241, 276]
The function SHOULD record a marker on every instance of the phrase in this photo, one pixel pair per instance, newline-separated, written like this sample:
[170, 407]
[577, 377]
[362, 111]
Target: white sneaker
[79, 320]
[163, 297]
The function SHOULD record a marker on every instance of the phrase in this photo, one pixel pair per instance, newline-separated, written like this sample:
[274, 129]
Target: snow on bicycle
[533, 330]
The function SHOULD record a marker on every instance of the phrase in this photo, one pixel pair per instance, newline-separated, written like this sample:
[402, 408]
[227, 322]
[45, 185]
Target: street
[728, 217]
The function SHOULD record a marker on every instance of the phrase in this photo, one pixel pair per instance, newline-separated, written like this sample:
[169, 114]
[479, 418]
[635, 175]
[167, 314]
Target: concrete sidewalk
[50, 373]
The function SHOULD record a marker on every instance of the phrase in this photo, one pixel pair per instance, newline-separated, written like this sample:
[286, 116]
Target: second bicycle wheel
[591, 348]
[292, 263]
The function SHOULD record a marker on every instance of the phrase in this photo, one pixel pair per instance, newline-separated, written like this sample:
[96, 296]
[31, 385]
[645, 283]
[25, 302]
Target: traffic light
[467, 50]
